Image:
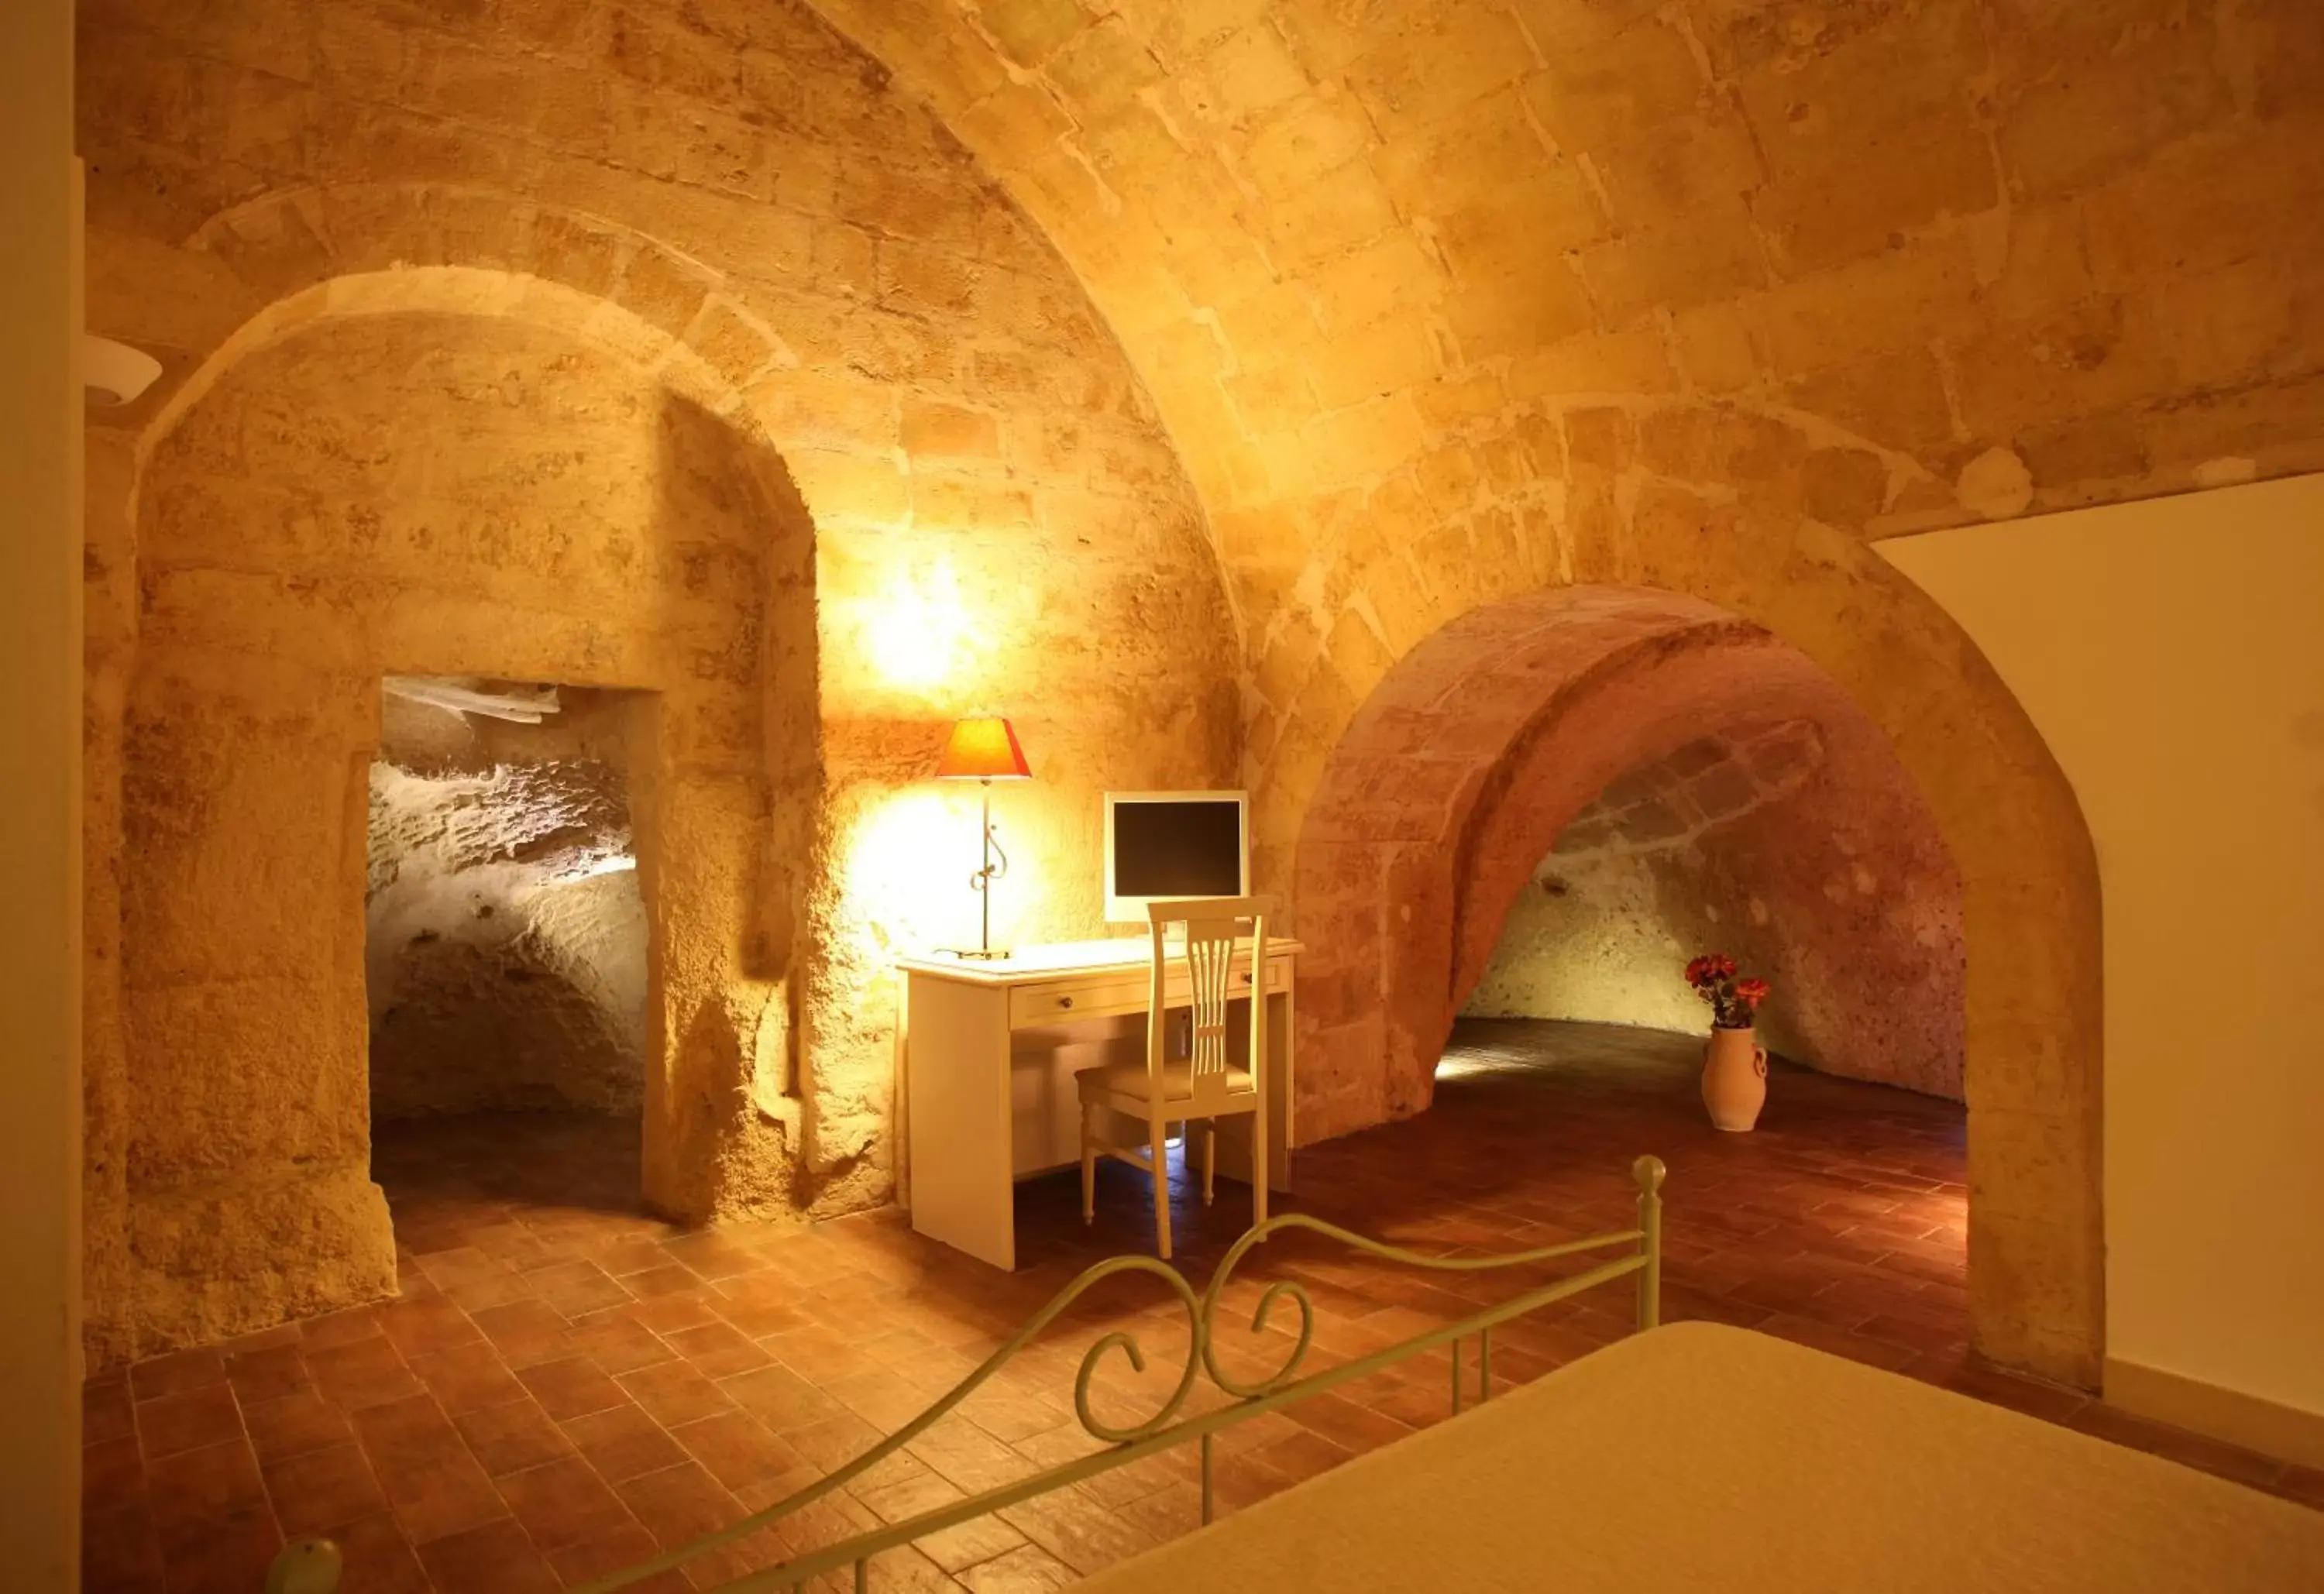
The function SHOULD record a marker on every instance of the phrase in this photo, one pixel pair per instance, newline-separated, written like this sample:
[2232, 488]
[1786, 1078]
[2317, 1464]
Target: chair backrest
[1214, 927]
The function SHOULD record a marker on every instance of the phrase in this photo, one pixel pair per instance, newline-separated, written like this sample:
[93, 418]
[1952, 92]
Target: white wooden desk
[989, 1050]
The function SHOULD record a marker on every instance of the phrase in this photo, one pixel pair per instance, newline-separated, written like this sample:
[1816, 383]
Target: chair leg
[1089, 1164]
[1210, 1156]
[1160, 1139]
[1258, 1165]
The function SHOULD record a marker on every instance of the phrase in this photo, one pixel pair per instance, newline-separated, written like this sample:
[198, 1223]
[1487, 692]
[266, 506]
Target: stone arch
[357, 248]
[1404, 815]
[273, 598]
[832, 266]
[1737, 799]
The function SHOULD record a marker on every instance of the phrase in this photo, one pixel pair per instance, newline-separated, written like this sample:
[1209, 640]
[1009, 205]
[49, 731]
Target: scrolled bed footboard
[312, 1567]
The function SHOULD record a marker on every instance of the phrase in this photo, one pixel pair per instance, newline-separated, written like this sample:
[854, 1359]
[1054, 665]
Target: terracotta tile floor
[564, 1384]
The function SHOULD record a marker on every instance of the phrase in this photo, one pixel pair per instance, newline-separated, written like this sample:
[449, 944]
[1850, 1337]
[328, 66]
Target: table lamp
[984, 750]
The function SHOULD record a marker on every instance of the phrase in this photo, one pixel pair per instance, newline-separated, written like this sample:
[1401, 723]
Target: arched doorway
[1414, 844]
[439, 473]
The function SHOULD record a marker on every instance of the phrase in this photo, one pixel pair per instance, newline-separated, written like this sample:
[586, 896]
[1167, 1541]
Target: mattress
[1702, 1457]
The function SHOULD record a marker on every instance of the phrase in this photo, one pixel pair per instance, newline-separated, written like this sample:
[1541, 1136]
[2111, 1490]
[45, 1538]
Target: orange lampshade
[984, 750]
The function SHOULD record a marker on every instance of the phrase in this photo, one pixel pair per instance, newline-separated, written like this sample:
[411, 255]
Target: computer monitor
[1165, 846]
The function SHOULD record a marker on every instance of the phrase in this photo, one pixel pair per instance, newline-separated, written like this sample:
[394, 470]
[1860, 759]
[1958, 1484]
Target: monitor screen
[1174, 845]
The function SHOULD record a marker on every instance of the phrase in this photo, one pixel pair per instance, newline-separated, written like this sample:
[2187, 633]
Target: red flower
[1753, 991]
[1716, 965]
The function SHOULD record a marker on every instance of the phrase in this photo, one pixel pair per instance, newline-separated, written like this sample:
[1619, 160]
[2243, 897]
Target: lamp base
[976, 953]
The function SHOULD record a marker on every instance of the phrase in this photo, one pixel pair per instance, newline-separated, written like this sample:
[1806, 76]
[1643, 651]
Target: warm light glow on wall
[919, 627]
[905, 856]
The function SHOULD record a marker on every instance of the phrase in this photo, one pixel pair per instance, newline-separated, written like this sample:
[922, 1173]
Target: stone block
[1363, 439]
[1893, 99]
[966, 503]
[1317, 222]
[1599, 439]
[1301, 141]
[2045, 266]
[1753, 455]
[2074, 456]
[926, 282]
[1928, 289]
[1607, 91]
[445, 76]
[2220, 328]
[1013, 125]
[1393, 275]
[1357, 656]
[1714, 348]
[1455, 56]
[1388, 356]
[1843, 487]
[1559, 27]
[1542, 304]
[1522, 228]
[2092, 355]
[949, 431]
[662, 291]
[278, 248]
[1714, 257]
[2084, 127]
[734, 343]
[1896, 400]
[1029, 32]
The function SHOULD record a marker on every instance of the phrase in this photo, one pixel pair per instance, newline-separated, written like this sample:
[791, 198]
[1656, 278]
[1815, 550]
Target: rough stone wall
[1835, 885]
[1448, 299]
[394, 493]
[1372, 247]
[1483, 742]
[505, 935]
[691, 233]
[1604, 928]
[1443, 300]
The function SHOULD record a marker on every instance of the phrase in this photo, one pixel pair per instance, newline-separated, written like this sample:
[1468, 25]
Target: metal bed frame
[312, 1566]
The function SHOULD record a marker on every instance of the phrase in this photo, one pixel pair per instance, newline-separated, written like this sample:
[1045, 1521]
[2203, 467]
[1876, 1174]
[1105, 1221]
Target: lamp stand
[982, 881]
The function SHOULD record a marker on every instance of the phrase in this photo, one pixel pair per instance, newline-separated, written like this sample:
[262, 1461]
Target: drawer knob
[1246, 976]
[1064, 1001]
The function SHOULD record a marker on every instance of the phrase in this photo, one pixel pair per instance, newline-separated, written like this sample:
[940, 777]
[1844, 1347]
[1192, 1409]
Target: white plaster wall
[2171, 654]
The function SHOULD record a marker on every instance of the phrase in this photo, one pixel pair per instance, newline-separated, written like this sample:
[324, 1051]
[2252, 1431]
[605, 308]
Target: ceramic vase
[1734, 1078]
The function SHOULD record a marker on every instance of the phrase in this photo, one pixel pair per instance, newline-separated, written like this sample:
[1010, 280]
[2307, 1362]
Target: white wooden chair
[1205, 1086]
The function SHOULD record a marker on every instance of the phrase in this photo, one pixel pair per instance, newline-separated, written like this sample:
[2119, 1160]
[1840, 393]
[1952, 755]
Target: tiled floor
[566, 1386]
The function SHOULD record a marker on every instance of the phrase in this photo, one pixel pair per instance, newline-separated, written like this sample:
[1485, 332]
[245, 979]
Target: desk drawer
[1063, 1001]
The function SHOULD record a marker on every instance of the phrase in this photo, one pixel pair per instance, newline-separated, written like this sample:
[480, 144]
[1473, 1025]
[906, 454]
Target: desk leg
[1234, 1133]
[957, 1074]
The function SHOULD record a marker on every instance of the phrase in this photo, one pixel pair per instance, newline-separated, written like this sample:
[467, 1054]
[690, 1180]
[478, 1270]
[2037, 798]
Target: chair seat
[1130, 1079]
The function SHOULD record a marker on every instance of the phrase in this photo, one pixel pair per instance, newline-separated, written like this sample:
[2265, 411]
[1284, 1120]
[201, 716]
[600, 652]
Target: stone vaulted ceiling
[1370, 255]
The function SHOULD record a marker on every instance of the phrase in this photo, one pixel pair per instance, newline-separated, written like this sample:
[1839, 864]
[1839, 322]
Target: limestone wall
[505, 935]
[1630, 892]
[665, 349]
[1447, 304]
[1446, 301]
[1830, 882]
